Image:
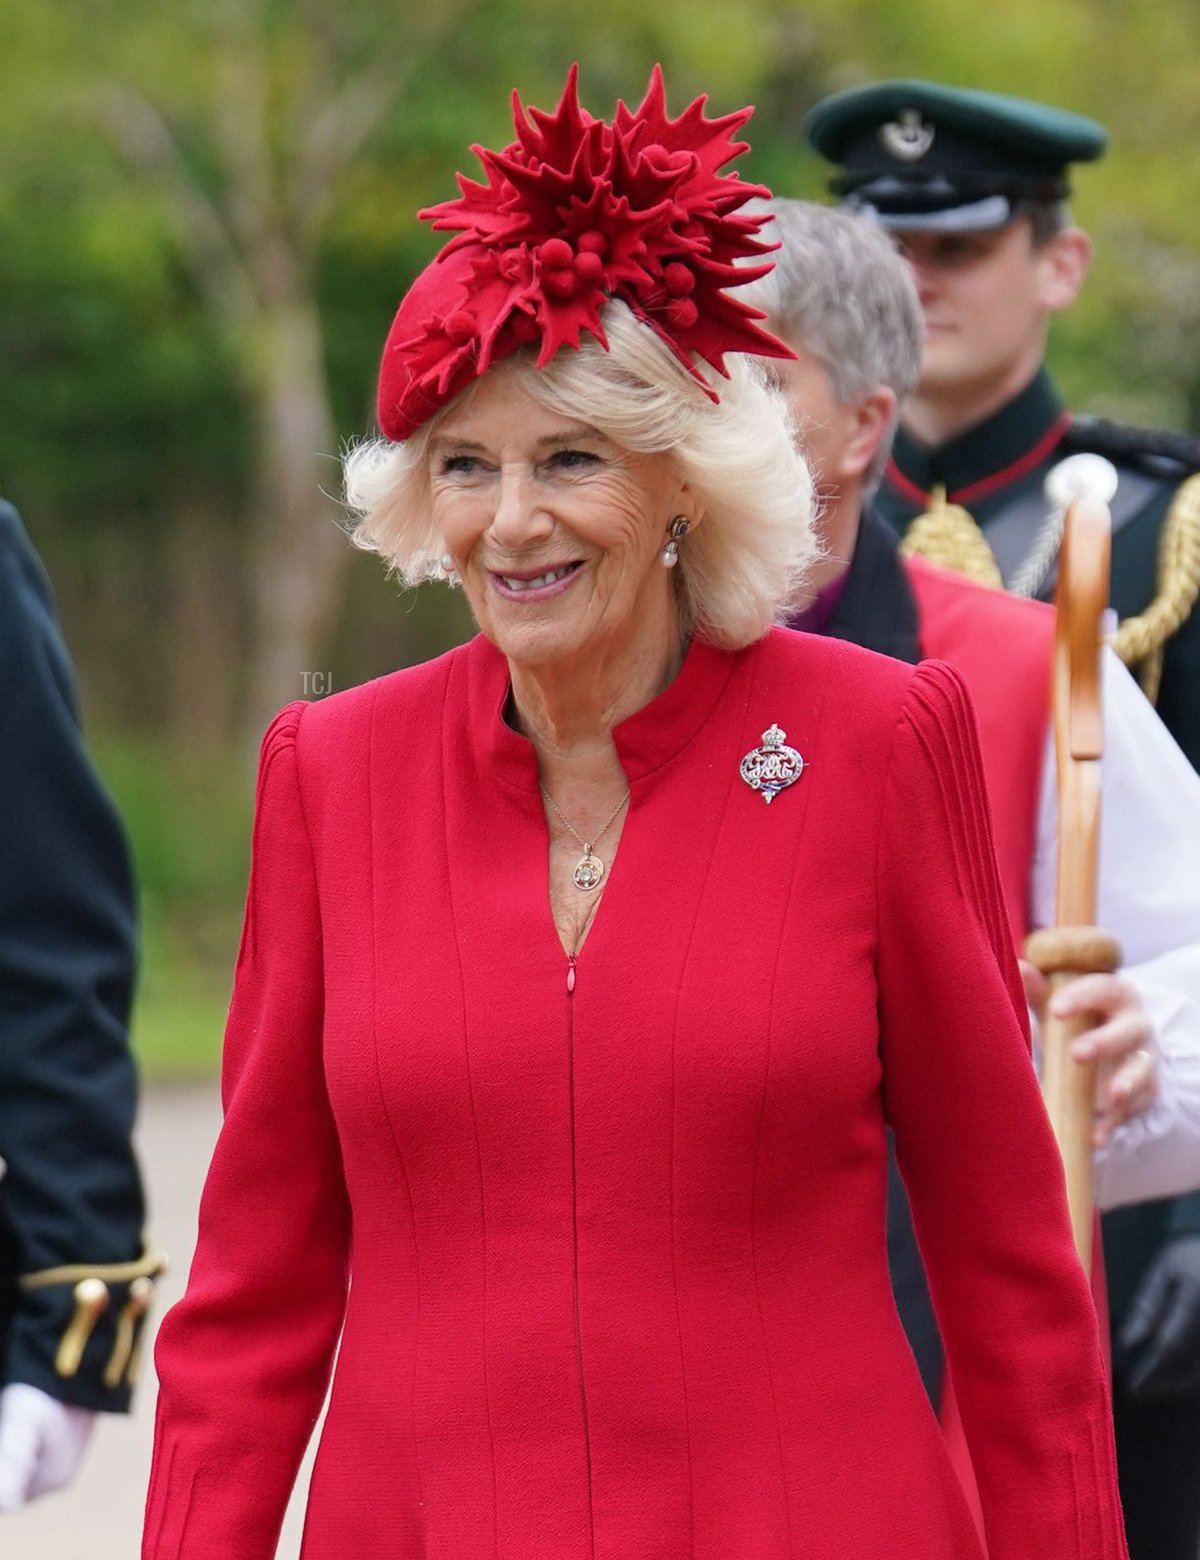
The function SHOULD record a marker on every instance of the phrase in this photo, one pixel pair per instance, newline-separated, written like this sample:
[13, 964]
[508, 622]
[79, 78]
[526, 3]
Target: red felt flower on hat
[572, 213]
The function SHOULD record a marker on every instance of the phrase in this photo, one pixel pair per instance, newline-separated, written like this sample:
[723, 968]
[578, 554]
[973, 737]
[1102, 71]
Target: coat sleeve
[71, 1204]
[244, 1358]
[977, 1154]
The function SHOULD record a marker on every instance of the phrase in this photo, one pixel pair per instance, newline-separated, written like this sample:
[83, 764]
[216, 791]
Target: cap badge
[773, 767]
[907, 137]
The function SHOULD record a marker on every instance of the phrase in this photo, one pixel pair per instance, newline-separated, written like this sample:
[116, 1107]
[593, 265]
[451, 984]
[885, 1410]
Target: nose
[519, 518]
[923, 275]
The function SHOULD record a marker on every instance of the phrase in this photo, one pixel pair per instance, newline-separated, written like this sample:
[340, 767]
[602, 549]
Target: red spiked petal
[572, 213]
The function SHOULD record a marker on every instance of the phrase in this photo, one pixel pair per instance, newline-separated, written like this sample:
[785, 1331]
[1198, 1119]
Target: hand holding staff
[1075, 946]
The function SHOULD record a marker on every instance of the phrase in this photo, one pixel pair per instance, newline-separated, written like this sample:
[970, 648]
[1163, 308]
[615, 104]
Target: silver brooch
[773, 767]
[907, 138]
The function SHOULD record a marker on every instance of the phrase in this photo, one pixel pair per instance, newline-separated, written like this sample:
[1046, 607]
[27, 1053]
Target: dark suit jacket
[71, 1195]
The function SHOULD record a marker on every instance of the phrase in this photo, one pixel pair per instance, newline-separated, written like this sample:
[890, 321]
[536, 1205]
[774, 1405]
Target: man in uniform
[75, 1278]
[973, 186]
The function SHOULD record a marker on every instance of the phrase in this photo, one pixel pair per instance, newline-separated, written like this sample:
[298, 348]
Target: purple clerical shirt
[815, 618]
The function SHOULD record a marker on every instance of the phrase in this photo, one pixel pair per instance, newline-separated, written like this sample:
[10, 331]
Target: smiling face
[556, 531]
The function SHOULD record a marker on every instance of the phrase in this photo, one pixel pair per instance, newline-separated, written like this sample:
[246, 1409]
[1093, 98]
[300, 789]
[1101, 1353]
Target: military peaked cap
[920, 155]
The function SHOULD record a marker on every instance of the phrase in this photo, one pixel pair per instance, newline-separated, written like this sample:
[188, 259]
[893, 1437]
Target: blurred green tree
[225, 195]
[207, 216]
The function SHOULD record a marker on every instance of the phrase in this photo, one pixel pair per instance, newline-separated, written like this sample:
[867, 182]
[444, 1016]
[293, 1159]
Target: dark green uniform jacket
[71, 1198]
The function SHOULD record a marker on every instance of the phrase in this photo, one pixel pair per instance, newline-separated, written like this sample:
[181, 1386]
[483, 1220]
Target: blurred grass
[179, 1017]
[188, 818]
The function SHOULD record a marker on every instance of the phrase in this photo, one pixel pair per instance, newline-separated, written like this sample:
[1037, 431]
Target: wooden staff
[1075, 946]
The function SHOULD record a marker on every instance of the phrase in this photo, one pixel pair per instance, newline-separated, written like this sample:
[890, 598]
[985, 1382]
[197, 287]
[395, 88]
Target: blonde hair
[738, 573]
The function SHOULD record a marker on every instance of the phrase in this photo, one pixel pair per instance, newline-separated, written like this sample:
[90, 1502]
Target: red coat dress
[610, 1261]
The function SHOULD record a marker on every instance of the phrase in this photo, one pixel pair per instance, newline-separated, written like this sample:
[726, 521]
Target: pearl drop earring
[453, 577]
[676, 531]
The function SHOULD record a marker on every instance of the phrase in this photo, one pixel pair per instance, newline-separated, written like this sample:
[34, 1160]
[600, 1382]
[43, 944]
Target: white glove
[42, 1442]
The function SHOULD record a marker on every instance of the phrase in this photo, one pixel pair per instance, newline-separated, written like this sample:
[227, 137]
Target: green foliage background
[123, 427]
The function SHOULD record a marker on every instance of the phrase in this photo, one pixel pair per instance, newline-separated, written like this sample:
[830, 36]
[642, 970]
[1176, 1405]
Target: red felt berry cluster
[573, 213]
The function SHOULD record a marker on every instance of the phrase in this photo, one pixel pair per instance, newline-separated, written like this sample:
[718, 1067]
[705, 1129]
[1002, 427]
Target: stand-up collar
[649, 738]
[987, 456]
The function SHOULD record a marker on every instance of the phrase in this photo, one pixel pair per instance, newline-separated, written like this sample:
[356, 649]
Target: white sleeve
[1157, 1154]
[1150, 899]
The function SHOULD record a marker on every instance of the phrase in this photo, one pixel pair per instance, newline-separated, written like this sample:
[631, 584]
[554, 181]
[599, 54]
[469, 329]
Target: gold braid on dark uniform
[1139, 640]
[95, 1287]
[948, 535]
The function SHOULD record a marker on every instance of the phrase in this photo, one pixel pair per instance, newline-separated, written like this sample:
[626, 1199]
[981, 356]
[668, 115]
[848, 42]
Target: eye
[573, 460]
[462, 465]
[959, 249]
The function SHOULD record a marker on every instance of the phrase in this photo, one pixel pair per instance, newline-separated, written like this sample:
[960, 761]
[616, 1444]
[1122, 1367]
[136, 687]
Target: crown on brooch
[574, 212]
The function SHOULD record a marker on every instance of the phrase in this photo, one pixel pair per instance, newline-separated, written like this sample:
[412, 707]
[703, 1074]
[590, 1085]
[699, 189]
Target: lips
[536, 587]
[519, 583]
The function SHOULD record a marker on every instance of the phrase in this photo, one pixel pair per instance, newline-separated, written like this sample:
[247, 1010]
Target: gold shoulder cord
[92, 1286]
[947, 534]
[1140, 641]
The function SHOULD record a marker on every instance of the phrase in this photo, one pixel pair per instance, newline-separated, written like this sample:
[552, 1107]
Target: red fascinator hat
[575, 212]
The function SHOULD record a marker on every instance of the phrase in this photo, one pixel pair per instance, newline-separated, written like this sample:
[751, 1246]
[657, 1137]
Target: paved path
[100, 1516]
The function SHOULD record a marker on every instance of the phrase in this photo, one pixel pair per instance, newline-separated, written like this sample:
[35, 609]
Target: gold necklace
[589, 869]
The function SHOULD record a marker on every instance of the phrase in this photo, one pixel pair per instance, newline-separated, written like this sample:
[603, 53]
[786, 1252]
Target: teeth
[541, 580]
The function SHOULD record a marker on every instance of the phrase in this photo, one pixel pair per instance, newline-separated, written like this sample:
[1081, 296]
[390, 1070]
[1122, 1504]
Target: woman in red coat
[584, 968]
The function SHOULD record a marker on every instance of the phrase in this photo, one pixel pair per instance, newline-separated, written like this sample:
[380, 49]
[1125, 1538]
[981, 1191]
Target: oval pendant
[589, 869]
